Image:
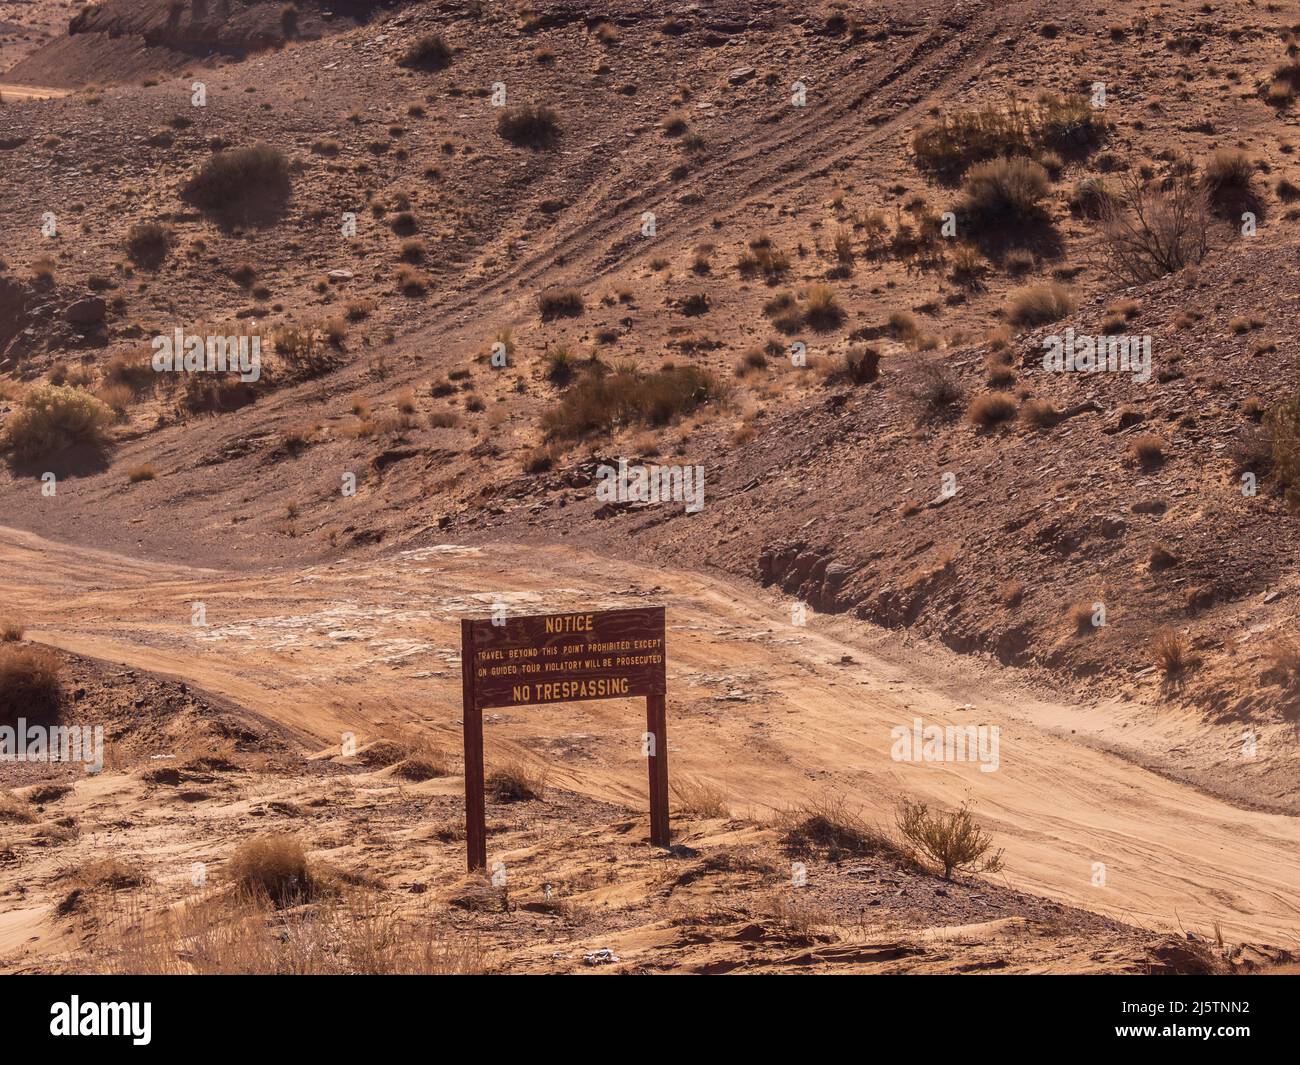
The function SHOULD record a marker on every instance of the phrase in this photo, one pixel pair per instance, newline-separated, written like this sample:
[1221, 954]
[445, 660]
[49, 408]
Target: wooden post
[475, 812]
[656, 713]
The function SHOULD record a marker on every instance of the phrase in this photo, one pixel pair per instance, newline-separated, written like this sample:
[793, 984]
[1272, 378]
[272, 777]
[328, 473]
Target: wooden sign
[556, 658]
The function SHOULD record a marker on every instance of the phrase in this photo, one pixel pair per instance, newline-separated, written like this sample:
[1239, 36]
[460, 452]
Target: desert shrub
[136, 474]
[411, 282]
[515, 781]
[147, 244]
[821, 309]
[1039, 413]
[991, 408]
[29, 685]
[305, 349]
[952, 144]
[1227, 176]
[699, 798]
[559, 303]
[955, 842]
[932, 389]
[862, 364]
[1150, 232]
[1091, 196]
[599, 402]
[237, 176]
[1147, 451]
[1040, 304]
[1004, 192]
[1282, 426]
[1170, 652]
[763, 258]
[273, 867]
[539, 460]
[11, 631]
[134, 369]
[50, 418]
[427, 52]
[531, 126]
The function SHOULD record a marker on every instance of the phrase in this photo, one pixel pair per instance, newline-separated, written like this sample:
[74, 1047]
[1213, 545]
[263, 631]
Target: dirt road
[771, 711]
[30, 92]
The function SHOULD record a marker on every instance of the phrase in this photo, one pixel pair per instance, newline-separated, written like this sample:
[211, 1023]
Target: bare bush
[1150, 232]
[954, 841]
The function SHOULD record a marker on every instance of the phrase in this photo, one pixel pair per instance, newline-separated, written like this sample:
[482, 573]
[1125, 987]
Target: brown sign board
[555, 658]
[567, 657]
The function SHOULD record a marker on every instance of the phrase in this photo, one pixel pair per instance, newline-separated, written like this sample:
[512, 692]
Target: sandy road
[31, 92]
[773, 712]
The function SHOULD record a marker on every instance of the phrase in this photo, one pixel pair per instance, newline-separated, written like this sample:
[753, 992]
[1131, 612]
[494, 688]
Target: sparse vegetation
[516, 781]
[272, 867]
[429, 51]
[240, 177]
[955, 841]
[532, 126]
[29, 685]
[1040, 304]
[52, 418]
[600, 401]
[559, 303]
[1004, 192]
[1149, 232]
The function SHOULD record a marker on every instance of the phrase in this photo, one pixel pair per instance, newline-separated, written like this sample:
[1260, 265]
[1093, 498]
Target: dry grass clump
[1040, 304]
[133, 368]
[821, 309]
[952, 144]
[559, 303]
[105, 874]
[306, 348]
[700, 799]
[1148, 451]
[862, 364]
[427, 52]
[136, 474]
[991, 408]
[147, 244]
[272, 867]
[29, 685]
[231, 934]
[1004, 192]
[827, 826]
[1091, 196]
[955, 842]
[516, 781]
[763, 258]
[15, 811]
[531, 126]
[236, 176]
[11, 631]
[51, 418]
[1039, 413]
[1170, 652]
[1227, 176]
[932, 389]
[599, 401]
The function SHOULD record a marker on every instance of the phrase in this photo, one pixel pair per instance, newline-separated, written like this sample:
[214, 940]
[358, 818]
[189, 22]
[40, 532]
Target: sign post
[556, 658]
